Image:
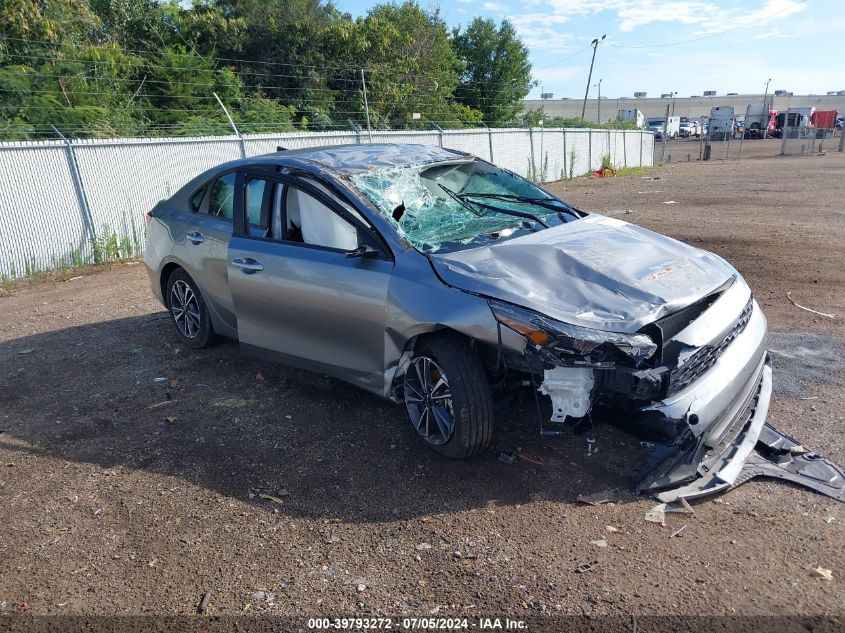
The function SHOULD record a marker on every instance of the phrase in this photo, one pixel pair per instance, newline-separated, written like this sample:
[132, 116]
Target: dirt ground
[137, 475]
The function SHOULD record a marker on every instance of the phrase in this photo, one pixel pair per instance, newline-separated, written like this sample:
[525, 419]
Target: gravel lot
[138, 475]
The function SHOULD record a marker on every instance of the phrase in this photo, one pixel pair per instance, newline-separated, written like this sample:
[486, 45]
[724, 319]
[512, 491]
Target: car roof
[349, 160]
[338, 160]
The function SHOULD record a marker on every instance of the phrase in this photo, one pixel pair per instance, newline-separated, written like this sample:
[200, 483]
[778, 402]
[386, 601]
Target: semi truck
[760, 121]
[634, 116]
[722, 122]
[660, 127]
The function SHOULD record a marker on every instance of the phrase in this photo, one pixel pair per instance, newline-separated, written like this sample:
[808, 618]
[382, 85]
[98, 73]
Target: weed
[573, 156]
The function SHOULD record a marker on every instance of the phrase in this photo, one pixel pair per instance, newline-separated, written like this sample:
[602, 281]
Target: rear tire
[188, 310]
[448, 396]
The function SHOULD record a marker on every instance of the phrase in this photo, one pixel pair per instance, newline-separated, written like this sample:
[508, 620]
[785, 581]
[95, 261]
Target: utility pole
[366, 106]
[674, 94]
[766, 108]
[595, 45]
[598, 116]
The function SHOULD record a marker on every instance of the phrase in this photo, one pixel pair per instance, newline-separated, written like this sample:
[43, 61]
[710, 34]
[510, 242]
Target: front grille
[704, 358]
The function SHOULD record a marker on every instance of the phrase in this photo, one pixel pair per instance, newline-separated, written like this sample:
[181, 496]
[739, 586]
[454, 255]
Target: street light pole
[599, 103]
[595, 44]
[674, 94]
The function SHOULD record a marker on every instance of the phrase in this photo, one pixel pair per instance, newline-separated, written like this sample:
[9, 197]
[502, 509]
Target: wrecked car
[439, 281]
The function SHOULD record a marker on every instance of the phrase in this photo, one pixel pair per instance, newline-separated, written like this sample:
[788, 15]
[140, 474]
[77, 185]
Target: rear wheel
[448, 396]
[188, 310]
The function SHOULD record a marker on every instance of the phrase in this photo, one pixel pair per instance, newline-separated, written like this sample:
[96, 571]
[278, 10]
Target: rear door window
[258, 199]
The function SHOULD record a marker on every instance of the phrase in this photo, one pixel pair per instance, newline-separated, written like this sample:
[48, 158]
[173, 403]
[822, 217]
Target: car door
[206, 249]
[309, 279]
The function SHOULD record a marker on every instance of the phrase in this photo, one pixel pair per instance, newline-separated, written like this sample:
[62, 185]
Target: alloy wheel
[185, 309]
[429, 400]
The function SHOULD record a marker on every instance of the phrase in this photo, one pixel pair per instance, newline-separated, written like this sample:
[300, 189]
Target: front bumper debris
[759, 450]
[779, 456]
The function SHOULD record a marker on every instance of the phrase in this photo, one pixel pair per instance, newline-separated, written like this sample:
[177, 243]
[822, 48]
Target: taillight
[148, 217]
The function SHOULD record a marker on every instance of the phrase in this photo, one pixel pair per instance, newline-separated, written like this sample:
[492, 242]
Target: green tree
[409, 65]
[496, 72]
[285, 48]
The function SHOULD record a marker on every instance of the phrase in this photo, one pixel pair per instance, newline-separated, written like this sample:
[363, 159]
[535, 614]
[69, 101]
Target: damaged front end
[695, 386]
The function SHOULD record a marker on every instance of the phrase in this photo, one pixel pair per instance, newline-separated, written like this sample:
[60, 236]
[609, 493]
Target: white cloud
[776, 33]
[632, 14]
[494, 6]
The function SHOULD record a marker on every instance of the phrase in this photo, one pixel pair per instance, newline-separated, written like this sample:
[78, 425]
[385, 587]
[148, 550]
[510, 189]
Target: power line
[141, 53]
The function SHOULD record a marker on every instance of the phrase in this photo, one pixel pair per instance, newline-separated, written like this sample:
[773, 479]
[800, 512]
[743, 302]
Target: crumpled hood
[596, 272]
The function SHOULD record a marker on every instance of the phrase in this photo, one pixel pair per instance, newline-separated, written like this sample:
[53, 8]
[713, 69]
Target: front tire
[448, 396]
[188, 310]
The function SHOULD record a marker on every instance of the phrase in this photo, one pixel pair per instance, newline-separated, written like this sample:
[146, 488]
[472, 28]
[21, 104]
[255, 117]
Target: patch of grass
[9, 285]
[107, 248]
[633, 171]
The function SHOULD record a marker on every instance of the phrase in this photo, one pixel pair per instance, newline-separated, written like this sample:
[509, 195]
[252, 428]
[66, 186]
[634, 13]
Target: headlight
[571, 341]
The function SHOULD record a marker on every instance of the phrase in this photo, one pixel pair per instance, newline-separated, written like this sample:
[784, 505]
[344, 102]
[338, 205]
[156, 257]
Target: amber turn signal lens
[535, 336]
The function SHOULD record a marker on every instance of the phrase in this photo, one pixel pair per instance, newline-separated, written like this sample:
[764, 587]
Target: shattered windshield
[460, 204]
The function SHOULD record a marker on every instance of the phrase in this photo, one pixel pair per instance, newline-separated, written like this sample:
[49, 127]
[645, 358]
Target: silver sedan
[441, 281]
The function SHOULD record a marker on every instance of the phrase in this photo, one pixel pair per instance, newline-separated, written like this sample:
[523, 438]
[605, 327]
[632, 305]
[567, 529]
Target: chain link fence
[727, 139]
[67, 203]
[806, 141]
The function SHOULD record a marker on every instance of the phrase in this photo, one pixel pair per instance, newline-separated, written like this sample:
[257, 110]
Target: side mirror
[365, 250]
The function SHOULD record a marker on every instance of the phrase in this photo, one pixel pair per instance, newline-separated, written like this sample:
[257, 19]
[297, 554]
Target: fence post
[641, 147]
[439, 133]
[232, 123]
[532, 166]
[624, 148]
[565, 173]
[489, 140]
[355, 129]
[589, 150]
[841, 139]
[87, 219]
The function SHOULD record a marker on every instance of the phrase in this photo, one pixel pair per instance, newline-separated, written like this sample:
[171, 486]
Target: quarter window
[197, 198]
[222, 203]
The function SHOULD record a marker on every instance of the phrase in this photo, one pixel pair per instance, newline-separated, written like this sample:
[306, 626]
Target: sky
[661, 46]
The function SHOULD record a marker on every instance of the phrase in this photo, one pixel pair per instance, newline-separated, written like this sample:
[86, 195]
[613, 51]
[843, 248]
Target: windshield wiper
[516, 214]
[549, 203]
[466, 205]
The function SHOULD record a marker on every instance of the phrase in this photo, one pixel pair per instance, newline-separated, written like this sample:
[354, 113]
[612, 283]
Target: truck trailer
[634, 116]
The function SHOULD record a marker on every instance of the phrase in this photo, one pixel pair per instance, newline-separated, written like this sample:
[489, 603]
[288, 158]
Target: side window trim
[366, 233]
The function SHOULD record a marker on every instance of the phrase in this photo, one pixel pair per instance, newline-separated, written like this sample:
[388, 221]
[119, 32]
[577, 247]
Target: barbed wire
[150, 63]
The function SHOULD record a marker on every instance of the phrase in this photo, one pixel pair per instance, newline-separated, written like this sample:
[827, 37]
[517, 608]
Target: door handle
[248, 265]
[196, 237]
